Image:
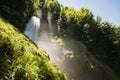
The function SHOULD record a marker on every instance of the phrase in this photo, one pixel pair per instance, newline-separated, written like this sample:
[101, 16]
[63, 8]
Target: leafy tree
[53, 6]
[73, 21]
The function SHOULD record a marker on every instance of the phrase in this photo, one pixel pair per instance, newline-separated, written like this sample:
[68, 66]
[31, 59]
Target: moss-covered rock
[18, 12]
[20, 59]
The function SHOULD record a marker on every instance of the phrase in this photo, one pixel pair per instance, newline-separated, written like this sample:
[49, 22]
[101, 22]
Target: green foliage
[72, 22]
[52, 6]
[101, 38]
[30, 7]
[42, 2]
[21, 60]
[18, 12]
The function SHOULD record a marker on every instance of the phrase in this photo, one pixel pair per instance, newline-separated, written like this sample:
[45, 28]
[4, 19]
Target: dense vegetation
[52, 6]
[18, 12]
[102, 38]
[20, 59]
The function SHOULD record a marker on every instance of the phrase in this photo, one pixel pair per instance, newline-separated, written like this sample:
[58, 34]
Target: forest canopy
[102, 38]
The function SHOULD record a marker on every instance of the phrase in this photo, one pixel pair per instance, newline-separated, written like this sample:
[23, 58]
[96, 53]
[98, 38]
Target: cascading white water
[50, 21]
[39, 32]
[40, 35]
[32, 28]
[40, 14]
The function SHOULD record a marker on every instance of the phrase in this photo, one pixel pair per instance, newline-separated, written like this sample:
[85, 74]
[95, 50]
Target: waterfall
[50, 21]
[40, 14]
[76, 67]
[32, 28]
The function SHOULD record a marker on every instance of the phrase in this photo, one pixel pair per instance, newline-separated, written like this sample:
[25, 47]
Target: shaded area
[18, 12]
[79, 65]
[20, 59]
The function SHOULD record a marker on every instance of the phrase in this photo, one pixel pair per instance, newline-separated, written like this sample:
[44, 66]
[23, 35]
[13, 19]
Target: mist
[71, 56]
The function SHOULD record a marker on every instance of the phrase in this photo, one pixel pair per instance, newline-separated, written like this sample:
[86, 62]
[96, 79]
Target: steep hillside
[21, 60]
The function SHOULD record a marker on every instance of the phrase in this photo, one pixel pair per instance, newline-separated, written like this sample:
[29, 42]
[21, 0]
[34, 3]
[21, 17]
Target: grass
[20, 58]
